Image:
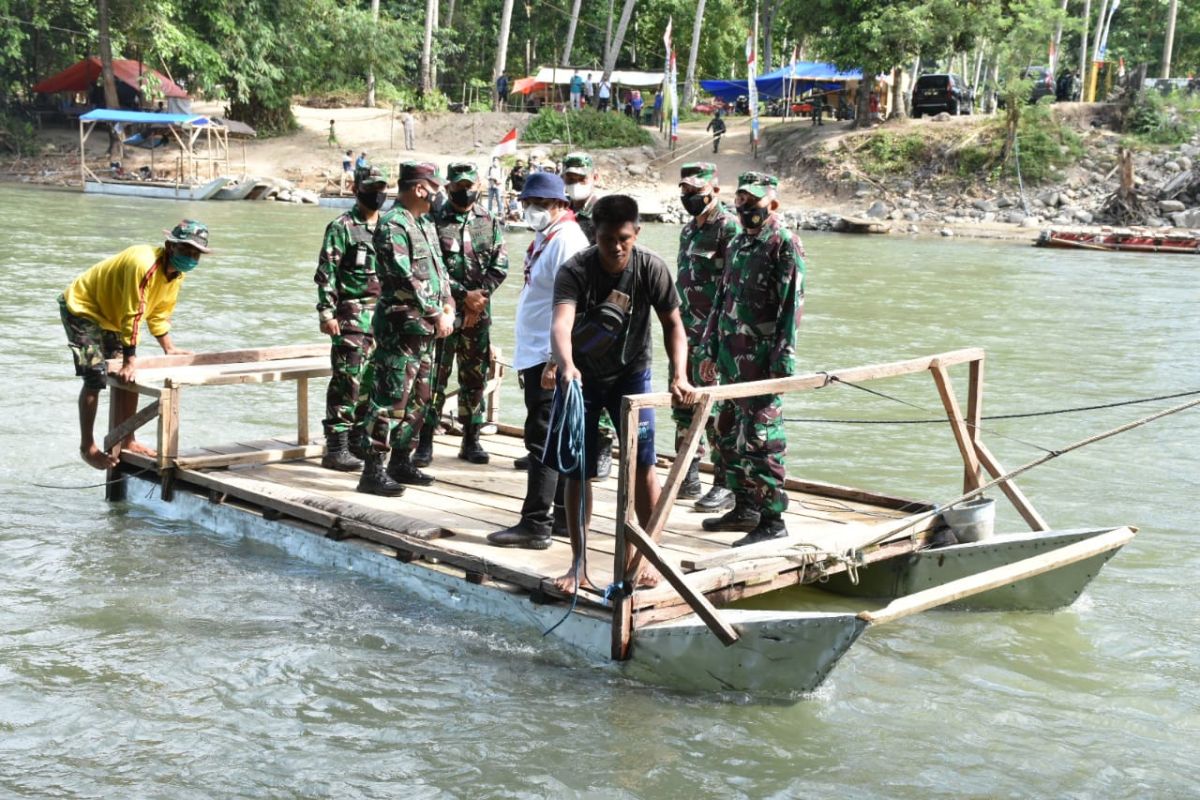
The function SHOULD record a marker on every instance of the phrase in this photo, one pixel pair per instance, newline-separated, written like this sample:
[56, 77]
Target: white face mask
[579, 191]
[537, 217]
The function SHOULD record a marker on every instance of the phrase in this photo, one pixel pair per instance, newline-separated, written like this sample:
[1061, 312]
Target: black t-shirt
[583, 282]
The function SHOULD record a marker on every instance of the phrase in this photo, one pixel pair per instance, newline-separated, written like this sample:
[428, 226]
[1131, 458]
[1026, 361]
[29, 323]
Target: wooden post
[496, 375]
[116, 488]
[961, 435]
[622, 626]
[974, 418]
[302, 411]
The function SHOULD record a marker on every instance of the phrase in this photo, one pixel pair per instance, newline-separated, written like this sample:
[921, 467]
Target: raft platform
[697, 629]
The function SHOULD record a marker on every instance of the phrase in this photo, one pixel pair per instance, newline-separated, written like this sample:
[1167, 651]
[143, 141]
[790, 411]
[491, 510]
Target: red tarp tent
[82, 76]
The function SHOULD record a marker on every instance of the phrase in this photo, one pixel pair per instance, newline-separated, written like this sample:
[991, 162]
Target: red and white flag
[508, 145]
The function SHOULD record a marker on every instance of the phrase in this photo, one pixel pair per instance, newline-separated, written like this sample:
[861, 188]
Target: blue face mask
[183, 262]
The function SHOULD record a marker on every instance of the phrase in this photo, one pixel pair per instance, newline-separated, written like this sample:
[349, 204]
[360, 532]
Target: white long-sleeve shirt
[549, 250]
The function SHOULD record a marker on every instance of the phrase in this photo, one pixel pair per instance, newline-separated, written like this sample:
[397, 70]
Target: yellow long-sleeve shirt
[122, 290]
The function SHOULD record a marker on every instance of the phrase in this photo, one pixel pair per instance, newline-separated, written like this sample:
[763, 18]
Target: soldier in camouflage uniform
[347, 289]
[751, 335]
[472, 243]
[703, 244]
[414, 309]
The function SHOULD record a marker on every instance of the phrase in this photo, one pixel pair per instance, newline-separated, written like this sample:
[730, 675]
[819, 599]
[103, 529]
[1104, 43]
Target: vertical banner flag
[1107, 27]
[671, 76]
[791, 92]
[507, 145]
[751, 76]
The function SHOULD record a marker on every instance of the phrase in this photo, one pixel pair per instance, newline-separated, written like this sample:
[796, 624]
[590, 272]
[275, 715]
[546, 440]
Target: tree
[566, 57]
[1169, 42]
[371, 66]
[501, 49]
[106, 57]
[689, 84]
[431, 9]
[610, 58]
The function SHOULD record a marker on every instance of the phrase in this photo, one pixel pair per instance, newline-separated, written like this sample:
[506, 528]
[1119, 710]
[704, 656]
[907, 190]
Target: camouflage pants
[90, 346]
[750, 434]
[471, 349]
[399, 392]
[350, 358]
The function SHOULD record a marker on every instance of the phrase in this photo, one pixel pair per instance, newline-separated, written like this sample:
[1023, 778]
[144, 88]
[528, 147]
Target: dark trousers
[541, 488]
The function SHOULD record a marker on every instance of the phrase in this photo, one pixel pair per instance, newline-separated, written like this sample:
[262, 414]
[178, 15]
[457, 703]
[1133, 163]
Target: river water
[149, 658]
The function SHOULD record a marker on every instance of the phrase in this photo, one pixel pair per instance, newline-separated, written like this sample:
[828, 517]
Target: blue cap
[545, 185]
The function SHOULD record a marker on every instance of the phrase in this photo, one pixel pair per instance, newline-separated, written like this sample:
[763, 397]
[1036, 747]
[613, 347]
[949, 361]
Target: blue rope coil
[567, 432]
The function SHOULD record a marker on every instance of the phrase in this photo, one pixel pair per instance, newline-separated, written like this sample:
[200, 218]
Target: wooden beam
[168, 428]
[256, 354]
[974, 415]
[1000, 576]
[699, 603]
[691, 442]
[962, 436]
[118, 434]
[270, 456]
[1015, 496]
[302, 411]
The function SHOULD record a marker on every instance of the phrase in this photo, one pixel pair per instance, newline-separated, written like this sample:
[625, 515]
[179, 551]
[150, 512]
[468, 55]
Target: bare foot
[566, 583]
[142, 450]
[97, 458]
[648, 578]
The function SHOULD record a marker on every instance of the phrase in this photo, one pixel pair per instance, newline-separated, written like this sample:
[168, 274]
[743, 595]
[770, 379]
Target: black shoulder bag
[597, 329]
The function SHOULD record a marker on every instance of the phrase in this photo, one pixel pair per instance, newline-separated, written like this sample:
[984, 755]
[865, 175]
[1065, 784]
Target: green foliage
[586, 128]
[886, 152]
[1045, 143]
[17, 136]
[1163, 120]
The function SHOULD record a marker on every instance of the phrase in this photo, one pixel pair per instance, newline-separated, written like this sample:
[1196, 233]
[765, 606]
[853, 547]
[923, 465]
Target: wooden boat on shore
[1137, 240]
[157, 190]
[699, 629]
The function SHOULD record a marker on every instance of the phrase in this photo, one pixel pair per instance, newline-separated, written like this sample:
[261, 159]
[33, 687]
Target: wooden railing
[631, 537]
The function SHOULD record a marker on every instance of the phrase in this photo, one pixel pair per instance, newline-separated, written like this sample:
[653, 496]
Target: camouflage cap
[697, 174]
[420, 171]
[578, 164]
[757, 183]
[370, 176]
[190, 232]
[461, 171]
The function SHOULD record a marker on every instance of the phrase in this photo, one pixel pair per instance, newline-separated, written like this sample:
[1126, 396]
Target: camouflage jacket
[584, 216]
[473, 249]
[760, 299]
[347, 268]
[702, 251]
[413, 283]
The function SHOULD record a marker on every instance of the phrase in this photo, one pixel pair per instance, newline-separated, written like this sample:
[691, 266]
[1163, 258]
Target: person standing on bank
[347, 281]
[717, 126]
[576, 90]
[102, 312]
[703, 248]
[557, 238]
[616, 273]
[409, 123]
[750, 336]
[472, 244]
[495, 180]
[414, 309]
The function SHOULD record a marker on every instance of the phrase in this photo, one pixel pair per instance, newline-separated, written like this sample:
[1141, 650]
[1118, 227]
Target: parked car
[933, 94]
[1043, 82]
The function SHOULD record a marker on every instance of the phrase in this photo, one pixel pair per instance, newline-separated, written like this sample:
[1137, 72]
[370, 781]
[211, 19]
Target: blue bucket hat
[544, 185]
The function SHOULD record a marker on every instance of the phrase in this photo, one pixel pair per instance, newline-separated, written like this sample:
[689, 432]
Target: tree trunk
[499, 65]
[1083, 43]
[427, 48]
[566, 58]
[1058, 26]
[689, 85]
[610, 58]
[371, 66]
[268, 120]
[608, 31]
[897, 95]
[862, 116]
[449, 14]
[106, 70]
[1169, 44]
[993, 83]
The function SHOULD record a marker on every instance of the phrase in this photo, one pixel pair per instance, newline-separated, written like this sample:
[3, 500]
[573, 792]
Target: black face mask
[752, 216]
[695, 204]
[463, 198]
[371, 199]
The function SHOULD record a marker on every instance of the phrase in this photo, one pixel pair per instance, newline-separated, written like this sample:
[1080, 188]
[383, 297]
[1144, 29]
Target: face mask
[463, 198]
[371, 200]
[695, 204]
[579, 191]
[183, 262]
[752, 216]
[537, 217]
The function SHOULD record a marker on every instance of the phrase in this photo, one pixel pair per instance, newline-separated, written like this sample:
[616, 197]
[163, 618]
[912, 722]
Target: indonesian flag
[667, 37]
[508, 144]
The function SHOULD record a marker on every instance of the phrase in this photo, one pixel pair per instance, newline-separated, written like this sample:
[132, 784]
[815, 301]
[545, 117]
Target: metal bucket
[972, 521]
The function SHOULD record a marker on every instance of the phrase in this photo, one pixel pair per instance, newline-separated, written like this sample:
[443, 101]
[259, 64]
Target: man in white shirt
[495, 176]
[604, 94]
[557, 238]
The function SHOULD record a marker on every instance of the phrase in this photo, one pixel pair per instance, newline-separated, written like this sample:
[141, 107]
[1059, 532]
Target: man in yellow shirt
[102, 312]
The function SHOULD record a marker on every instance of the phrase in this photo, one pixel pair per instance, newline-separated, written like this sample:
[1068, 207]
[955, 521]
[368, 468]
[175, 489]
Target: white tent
[620, 77]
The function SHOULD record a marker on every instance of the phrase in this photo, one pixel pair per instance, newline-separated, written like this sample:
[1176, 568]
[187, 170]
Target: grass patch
[1163, 120]
[586, 128]
[887, 153]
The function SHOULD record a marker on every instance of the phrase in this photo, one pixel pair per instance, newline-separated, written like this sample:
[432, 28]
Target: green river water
[141, 657]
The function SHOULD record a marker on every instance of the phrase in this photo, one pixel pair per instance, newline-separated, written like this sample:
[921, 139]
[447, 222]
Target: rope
[89, 485]
[567, 431]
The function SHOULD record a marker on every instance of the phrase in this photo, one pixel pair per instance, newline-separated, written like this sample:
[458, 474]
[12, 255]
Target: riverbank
[823, 177]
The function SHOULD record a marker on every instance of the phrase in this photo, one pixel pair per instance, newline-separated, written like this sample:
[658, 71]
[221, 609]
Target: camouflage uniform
[472, 245]
[751, 335]
[347, 290]
[701, 262]
[413, 292]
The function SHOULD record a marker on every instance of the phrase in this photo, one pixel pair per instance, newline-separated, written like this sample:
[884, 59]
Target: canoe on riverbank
[1137, 240]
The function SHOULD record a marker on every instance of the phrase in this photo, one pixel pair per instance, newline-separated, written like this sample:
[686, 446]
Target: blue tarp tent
[809, 74]
[143, 117]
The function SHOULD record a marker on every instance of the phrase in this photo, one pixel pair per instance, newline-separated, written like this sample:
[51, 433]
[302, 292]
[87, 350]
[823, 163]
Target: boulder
[1172, 166]
[1168, 206]
[1184, 162]
[878, 210]
[1031, 222]
[1084, 216]
[941, 117]
[636, 169]
[1048, 199]
[946, 231]
[984, 205]
[1186, 219]
[1014, 217]
[896, 214]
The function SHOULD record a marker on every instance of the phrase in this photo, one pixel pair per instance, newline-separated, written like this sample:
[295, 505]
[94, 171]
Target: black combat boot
[718, 499]
[471, 449]
[375, 479]
[423, 455]
[401, 469]
[359, 443]
[691, 481]
[521, 462]
[741, 518]
[769, 527]
[337, 456]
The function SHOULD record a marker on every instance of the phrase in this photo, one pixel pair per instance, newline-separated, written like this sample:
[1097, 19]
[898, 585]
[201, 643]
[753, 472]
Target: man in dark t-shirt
[593, 277]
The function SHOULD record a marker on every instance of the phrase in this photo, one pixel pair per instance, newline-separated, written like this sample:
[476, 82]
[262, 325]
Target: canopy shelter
[549, 78]
[191, 165]
[136, 83]
[781, 83]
